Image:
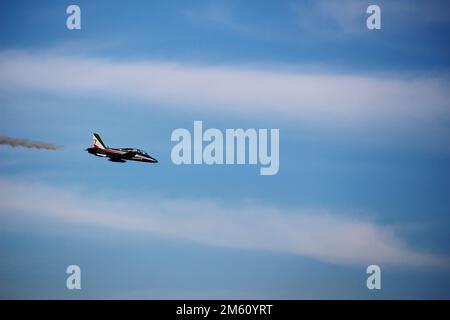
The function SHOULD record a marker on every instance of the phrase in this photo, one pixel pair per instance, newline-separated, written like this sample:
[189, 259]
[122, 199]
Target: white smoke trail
[13, 142]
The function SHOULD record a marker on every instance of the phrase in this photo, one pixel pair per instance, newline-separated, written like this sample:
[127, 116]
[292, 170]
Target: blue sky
[364, 151]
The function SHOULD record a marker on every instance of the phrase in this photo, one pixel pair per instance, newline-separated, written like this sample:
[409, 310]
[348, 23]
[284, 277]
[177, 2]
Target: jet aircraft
[99, 149]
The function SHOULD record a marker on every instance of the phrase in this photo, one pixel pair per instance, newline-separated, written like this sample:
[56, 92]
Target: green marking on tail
[97, 136]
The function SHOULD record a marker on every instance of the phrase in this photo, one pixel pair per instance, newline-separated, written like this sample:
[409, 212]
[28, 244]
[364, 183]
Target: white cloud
[313, 98]
[318, 234]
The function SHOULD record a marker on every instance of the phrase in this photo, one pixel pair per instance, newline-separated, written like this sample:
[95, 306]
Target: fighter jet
[99, 149]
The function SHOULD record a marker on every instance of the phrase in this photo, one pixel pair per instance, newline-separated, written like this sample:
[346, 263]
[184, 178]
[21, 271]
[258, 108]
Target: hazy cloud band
[311, 97]
[323, 235]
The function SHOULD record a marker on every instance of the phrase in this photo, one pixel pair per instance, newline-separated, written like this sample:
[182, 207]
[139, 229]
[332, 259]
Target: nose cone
[150, 159]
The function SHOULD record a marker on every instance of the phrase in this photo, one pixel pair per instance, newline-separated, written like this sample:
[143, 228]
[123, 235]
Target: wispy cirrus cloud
[331, 18]
[225, 17]
[313, 98]
[218, 15]
[326, 236]
[347, 18]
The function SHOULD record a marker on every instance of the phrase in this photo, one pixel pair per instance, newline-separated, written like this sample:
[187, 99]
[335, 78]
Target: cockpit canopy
[134, 150]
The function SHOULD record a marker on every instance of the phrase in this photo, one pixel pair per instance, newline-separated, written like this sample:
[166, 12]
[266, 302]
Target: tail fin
[98, 141]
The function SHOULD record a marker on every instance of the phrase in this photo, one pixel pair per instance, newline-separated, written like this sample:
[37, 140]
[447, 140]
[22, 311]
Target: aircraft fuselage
[122, 154]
